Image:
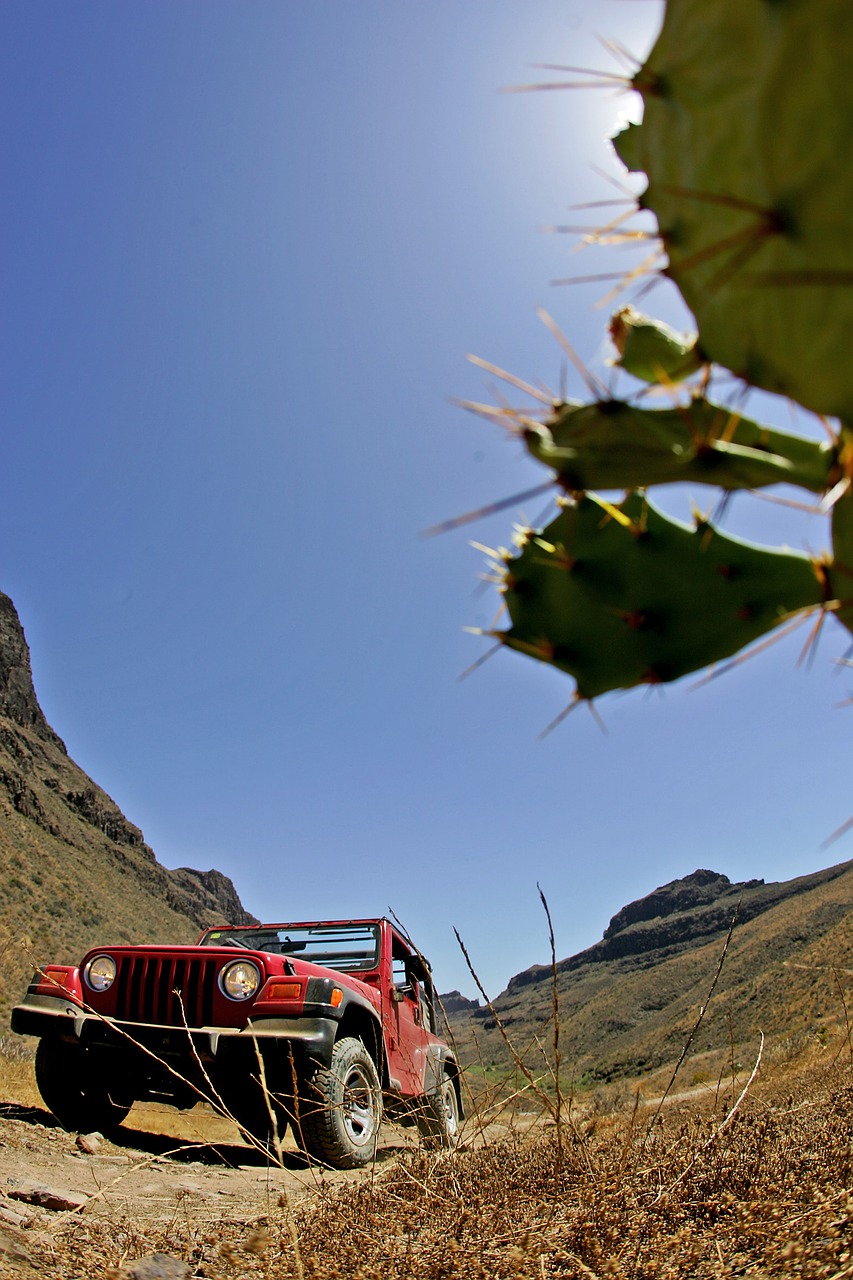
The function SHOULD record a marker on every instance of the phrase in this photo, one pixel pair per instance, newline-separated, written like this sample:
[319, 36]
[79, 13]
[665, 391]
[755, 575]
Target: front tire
[341, 1109]
[73, 1087]
[252, 1115]
[438, 1119]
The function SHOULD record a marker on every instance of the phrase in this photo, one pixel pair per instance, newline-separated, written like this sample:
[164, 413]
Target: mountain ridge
[627, 1004]
[74, 871]
[680, 913]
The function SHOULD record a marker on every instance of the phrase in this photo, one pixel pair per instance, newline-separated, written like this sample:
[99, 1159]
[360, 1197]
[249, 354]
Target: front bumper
[42, 1015]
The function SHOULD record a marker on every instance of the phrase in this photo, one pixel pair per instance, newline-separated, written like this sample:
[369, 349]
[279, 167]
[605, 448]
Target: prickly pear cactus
[745, 139]
[618, 596]
[652, 350]
[613, 444]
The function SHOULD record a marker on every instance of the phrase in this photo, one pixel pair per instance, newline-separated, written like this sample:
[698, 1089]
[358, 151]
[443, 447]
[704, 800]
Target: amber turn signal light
[284, 991]
[54, 975]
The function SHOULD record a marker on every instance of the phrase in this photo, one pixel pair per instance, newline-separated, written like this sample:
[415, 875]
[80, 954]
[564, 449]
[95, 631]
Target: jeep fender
[360, 1019]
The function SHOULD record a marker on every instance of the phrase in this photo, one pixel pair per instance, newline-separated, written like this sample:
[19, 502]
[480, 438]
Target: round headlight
[100, 973]
[240, 980]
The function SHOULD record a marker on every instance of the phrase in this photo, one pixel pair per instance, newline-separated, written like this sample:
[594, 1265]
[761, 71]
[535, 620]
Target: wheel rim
[358, 1109]
[451, 1117]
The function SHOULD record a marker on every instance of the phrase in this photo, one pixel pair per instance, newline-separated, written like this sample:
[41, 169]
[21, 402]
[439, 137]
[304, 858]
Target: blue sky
[245, 250]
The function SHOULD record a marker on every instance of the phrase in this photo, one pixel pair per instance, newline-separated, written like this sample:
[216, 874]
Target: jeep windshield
[346, 947]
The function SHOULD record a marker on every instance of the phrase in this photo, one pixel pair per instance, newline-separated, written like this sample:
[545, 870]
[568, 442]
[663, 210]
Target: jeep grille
[146, 988]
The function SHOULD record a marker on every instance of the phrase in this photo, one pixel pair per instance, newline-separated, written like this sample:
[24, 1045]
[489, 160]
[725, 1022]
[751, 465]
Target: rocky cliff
[18, 701]
[74, 871]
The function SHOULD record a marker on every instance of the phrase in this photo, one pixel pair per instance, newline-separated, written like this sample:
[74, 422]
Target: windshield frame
[348, 947]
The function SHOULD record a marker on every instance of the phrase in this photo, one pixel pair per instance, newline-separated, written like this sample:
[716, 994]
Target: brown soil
[162, 1168]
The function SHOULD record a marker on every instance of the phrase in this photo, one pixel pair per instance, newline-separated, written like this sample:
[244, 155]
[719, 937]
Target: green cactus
[748, 110]
[652, 350]
[745, 139]
[616, 445]
[618, 596]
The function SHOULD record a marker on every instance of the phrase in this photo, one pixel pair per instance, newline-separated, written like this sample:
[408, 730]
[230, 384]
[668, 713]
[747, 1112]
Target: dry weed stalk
[716, 1132]
[554, 1108]
[520, 1064]
[284, 1199]
[846, 1015]
[697, 1024]
[555, 1007]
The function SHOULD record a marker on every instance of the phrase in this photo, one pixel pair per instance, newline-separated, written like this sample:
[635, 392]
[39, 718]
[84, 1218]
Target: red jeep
[309, 1024]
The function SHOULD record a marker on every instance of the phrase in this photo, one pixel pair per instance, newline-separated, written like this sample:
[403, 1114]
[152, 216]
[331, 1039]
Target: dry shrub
[698, 1192]
[768, 1194]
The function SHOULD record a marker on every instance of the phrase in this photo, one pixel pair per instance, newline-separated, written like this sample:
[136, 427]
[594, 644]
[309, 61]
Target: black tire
[249, 1092]
[253, 1118]
[340, 1109]
[74, 1087]
[438, 1117]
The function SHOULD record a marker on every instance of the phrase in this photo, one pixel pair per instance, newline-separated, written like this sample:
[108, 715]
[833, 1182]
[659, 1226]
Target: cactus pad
[622, 596]
[745, 139]
[616, 445]
[652, 350]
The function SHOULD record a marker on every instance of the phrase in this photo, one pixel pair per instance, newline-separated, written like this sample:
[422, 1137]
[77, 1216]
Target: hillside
[73, 870]
[627, 1004]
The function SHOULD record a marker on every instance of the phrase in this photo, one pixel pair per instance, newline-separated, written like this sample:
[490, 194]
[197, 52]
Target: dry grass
[770, 1193]
[699, 1192]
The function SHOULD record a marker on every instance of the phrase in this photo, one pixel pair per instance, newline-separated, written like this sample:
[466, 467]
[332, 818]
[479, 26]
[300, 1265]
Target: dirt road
[164, 1174]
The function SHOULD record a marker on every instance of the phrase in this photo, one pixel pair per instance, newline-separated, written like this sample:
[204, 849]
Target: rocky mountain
[678, 915]
[73, 870]
[627, 1004]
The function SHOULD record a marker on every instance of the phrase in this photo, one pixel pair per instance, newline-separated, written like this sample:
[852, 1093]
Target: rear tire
[340, 1109]
[438, 1119]
[72, 1084]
